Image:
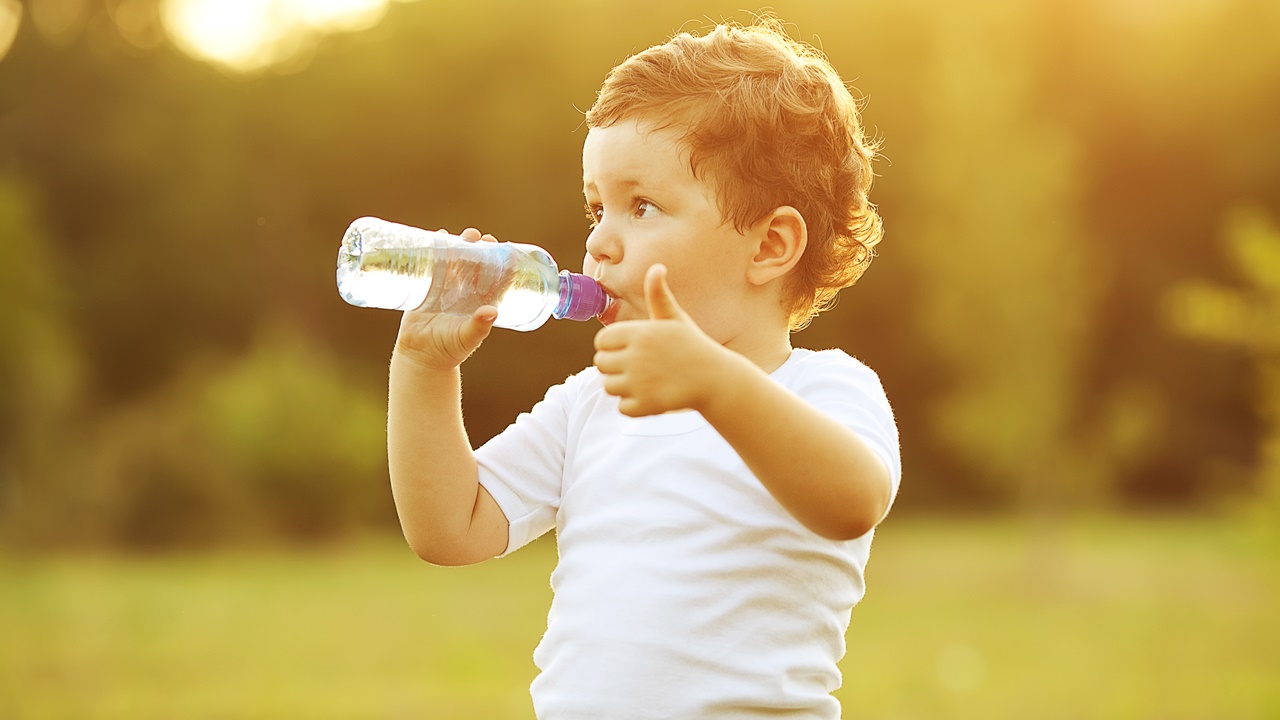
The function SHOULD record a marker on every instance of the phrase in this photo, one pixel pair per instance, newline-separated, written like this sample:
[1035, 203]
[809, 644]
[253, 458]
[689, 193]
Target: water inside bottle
[392, 278]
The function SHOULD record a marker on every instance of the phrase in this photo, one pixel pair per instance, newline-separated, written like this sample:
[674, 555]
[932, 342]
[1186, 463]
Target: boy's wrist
[415, 360]
[727, 381]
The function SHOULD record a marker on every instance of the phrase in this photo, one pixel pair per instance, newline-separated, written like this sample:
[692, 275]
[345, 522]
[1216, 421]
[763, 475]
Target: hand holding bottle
[443, 341]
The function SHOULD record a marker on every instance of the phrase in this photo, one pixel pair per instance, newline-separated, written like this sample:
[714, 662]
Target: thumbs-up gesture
[661, 364]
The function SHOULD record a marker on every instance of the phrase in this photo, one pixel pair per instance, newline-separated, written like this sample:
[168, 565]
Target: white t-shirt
[683, 589]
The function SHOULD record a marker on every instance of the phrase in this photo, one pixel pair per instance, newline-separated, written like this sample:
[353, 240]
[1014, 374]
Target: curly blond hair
[767, 122]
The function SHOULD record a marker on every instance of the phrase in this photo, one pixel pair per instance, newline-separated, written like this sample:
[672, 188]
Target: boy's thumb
[662, 303]
[477, 327]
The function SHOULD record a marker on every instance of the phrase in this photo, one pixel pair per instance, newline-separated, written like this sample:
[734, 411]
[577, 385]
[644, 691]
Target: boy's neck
[766, 350]
[761, 328]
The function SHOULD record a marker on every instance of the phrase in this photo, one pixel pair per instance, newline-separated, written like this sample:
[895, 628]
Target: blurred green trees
[176, 367]
[1246, 319]
[1005, 291]
[41, 378]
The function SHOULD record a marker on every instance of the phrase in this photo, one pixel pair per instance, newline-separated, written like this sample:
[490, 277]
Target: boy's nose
[603, 245]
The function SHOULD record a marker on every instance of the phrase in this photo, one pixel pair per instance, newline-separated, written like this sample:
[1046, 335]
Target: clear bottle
[387, 265]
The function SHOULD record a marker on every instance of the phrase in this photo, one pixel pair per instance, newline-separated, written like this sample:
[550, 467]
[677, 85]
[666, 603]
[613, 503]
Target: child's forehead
[626, 155]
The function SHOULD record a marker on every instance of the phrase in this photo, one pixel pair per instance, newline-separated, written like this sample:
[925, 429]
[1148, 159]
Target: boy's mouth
[610, 313]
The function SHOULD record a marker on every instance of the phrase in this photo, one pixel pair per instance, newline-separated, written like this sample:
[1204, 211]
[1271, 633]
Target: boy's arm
[446, 516]
[816, 468]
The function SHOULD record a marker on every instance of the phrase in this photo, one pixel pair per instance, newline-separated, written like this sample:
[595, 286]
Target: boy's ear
[783, 237]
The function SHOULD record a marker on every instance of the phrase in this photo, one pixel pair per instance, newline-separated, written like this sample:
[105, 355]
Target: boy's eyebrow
[628, 183]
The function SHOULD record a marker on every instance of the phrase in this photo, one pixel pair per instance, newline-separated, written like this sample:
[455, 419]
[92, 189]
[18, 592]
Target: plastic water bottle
[387, 265]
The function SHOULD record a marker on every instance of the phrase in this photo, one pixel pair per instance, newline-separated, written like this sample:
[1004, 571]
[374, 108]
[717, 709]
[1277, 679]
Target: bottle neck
[581, 298]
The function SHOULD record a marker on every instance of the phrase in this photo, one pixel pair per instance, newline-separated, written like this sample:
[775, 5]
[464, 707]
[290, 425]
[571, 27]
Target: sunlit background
[1075, 312]
[241, 35]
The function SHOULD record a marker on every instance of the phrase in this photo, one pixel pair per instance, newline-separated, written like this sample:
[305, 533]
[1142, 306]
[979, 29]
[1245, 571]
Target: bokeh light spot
[251, 35]
[239, 34]
[138, 22]
[10, 19]
[341, 15]
[960, 668]
[59, 21]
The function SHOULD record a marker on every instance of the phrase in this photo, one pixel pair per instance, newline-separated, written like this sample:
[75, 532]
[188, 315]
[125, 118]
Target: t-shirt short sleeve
[523, 466]
[849, 391]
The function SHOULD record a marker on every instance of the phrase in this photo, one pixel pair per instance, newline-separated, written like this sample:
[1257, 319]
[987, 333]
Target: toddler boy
[713, 490]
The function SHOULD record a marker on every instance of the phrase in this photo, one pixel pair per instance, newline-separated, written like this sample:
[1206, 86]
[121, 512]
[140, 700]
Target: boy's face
[649, 208]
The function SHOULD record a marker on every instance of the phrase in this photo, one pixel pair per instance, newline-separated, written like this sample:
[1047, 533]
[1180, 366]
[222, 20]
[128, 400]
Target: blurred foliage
[1247, 319]
[1010, 310]
[275, 444]
[177, 367]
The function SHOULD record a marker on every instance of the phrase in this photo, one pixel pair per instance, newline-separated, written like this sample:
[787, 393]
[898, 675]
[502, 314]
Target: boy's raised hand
[442, 342]
[661, 364]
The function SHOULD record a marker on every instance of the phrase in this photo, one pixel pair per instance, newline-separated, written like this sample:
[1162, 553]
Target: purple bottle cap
[581, 298]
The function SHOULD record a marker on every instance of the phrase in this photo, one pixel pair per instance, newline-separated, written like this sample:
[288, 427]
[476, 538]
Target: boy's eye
[594, 213]
[645, 209]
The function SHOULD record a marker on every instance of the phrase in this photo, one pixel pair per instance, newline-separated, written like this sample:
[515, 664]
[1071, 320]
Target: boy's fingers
[611, 338]
[474, 235]
[607, 362]
[662, 302]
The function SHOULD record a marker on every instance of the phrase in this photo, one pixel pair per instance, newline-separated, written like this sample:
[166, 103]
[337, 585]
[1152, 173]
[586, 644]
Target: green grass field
[963, 619]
